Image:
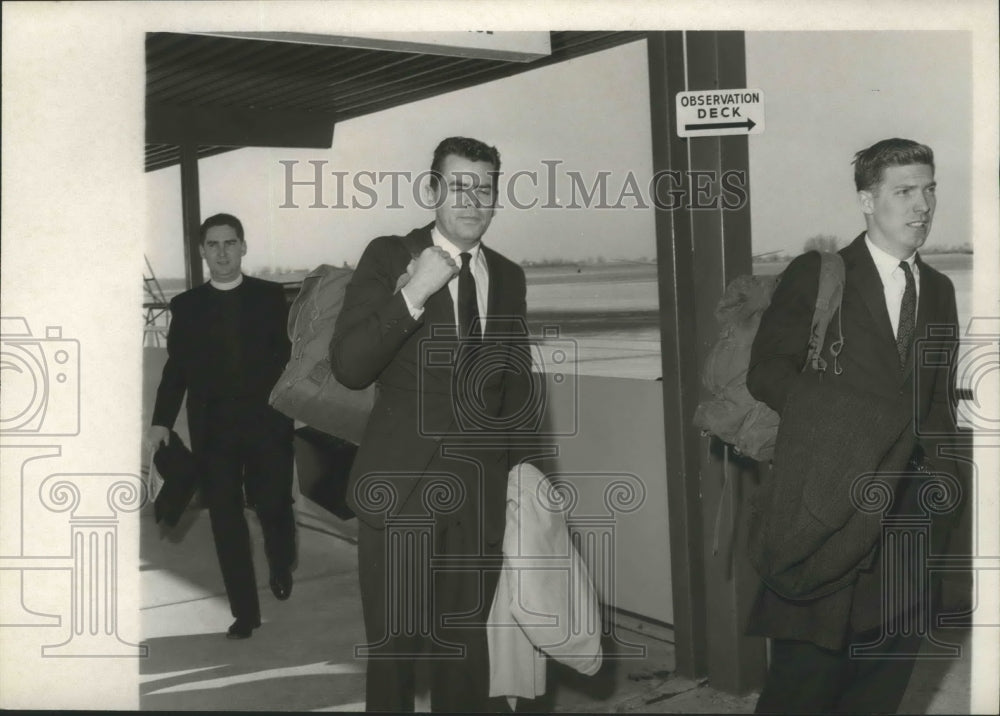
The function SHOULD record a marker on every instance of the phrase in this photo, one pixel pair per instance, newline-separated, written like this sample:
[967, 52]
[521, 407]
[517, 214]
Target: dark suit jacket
[868, 363]
[377, 340]
[265, 350]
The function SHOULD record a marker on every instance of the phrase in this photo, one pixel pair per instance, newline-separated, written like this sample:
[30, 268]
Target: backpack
[307, 390]
[732, 414]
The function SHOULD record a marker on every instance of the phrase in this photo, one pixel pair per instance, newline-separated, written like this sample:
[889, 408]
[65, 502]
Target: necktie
[907, 315]
[468, 307]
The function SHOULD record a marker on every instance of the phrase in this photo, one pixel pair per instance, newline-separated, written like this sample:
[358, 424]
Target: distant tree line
[821, 242]
[279, 271]
[829, 242]
[588, 261]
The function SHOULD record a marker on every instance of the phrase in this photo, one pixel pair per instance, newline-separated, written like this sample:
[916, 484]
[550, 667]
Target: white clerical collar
[886, 262]
[445, 243]
[227, 285]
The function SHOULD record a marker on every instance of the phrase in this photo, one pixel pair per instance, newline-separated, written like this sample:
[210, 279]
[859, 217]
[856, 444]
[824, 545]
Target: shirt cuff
[414, 312]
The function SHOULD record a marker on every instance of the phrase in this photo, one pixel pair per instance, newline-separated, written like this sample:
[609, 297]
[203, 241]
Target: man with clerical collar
[437, 319]
[852, 648]
[226, 348]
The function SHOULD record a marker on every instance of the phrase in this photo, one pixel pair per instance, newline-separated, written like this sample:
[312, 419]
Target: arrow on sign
[748, 124]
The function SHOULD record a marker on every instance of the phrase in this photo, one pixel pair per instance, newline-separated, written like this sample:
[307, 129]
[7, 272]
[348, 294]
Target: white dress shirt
[480, 272]
[893, 280]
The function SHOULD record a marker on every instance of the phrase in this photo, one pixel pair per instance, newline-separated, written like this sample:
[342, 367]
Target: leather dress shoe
[281, 584]
[242, 629]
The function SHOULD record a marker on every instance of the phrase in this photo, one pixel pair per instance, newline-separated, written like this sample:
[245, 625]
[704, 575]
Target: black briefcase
[323, 463]
[179, 470]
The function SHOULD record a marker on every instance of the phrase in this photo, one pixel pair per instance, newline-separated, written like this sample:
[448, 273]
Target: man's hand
[404, 278]
[432, 270]
[157, 435]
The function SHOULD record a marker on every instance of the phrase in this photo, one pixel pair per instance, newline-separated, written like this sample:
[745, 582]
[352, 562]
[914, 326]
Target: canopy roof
[223, 93]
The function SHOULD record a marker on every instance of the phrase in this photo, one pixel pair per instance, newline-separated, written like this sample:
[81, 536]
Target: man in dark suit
[226, 348]
[436, 318]
[890, 298]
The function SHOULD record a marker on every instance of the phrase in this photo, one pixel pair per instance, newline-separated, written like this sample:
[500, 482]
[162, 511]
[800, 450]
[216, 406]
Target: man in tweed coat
[890, 298]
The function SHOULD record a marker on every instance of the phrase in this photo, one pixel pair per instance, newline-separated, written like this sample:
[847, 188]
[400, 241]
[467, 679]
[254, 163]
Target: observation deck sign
[714, 113]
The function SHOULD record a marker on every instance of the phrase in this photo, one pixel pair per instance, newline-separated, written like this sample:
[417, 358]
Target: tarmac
[302, 658]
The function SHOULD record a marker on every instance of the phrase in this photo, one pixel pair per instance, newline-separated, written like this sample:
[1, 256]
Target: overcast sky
[830, 94]
[827, 94]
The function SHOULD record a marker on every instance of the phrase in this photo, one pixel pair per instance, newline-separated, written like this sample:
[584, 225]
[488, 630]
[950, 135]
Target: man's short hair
[871, 162]
[465, 147]
[221, 220]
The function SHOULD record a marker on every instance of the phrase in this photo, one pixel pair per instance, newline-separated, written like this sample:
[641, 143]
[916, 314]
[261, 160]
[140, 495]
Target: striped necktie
[907, 315]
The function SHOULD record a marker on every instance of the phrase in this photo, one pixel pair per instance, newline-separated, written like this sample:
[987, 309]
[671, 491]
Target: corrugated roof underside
[206, 71]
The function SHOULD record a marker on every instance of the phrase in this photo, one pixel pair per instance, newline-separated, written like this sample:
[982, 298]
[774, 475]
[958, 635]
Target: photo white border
[74, 211]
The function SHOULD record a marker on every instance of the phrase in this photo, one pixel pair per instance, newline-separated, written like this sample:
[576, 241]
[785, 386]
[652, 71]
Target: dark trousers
[251, 447]
[807, 679]
[435, 615]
